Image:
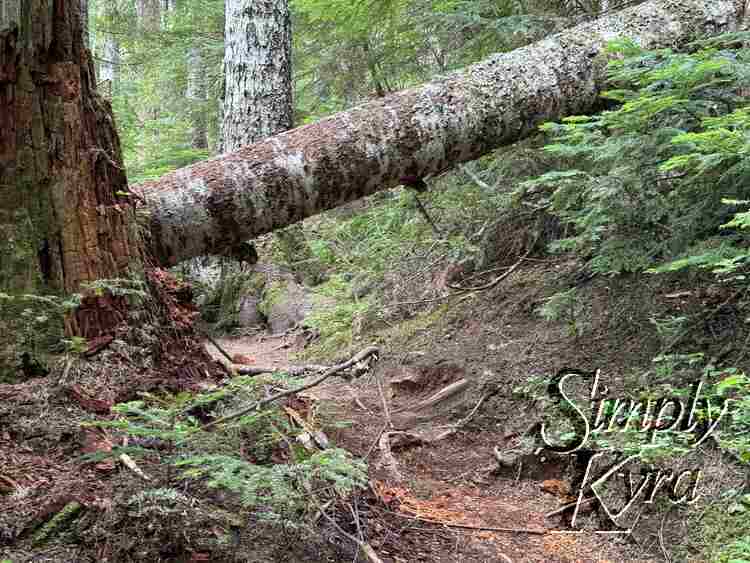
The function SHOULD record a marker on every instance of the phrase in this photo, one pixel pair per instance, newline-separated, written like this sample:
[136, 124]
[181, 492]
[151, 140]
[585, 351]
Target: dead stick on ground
[128, 462]
[365, 547]
[426, 215]
[494, 282]
[363, 355]
[570, 505]
[291, 370]
[219, 348]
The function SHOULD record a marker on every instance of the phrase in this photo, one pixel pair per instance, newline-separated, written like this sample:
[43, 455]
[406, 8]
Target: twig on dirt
[364, 354]
[364, 547]
[426, 215]
[569, 505]
[497, 280]
[291, 370]
[128, 462]
[219, 348]
[464, 421]
[421, 302]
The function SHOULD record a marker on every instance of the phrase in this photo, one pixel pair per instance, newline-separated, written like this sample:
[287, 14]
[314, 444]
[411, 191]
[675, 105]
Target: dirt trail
[448, 486]
[259, 350]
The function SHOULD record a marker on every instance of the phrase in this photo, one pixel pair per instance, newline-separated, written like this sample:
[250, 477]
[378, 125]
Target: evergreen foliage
[657, 177]
[240, 457]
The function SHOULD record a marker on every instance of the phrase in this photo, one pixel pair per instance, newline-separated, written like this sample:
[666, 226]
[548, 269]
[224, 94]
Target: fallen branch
[445, 393]
[363, 355]
[291, 370]
[565, 507]
[128, 462]
[494, 282]
[219, 348]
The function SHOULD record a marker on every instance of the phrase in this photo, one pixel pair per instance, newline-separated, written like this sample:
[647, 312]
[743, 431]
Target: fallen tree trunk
[214, 206]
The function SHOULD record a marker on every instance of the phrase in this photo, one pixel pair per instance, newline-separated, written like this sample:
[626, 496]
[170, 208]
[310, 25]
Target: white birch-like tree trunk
[257, 70]
[211, 207]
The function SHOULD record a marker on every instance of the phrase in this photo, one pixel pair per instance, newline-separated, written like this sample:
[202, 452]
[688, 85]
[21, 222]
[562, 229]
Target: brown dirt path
[446, 483]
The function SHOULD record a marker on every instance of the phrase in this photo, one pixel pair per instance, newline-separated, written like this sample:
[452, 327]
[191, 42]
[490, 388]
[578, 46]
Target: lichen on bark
[212, 206]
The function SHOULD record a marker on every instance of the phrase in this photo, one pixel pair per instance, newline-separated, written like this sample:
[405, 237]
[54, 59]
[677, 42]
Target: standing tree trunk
[64, 215]
[196, 95]
[258, 93]
[85, 24]
[148, 14]
[109, 65]
[257, 70]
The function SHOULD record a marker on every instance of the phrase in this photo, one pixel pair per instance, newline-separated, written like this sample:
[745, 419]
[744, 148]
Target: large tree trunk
[63, 218]
[85, 23]
[211, 207]
[258, 71]
[258, 91]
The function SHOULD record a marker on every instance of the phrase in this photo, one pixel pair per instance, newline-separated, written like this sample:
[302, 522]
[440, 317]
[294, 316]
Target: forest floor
[443, 500]
[455, 390]
[468, 384]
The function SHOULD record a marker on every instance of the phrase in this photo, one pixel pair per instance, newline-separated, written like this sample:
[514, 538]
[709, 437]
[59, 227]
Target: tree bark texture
[148, 14]
[212, 206]
[196, 95]
[257, 69]
[63, 218]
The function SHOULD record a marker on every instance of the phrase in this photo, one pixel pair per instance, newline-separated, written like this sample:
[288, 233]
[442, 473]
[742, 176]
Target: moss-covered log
[211, 207]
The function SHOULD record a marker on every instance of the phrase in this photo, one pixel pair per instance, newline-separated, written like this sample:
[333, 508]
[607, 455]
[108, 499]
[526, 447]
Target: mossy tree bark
[65, 218]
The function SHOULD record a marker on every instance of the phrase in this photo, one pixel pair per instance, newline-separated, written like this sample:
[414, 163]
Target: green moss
[343, 343]
[58, 522]
[408, 329]
[723, 534]
[274, 294]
